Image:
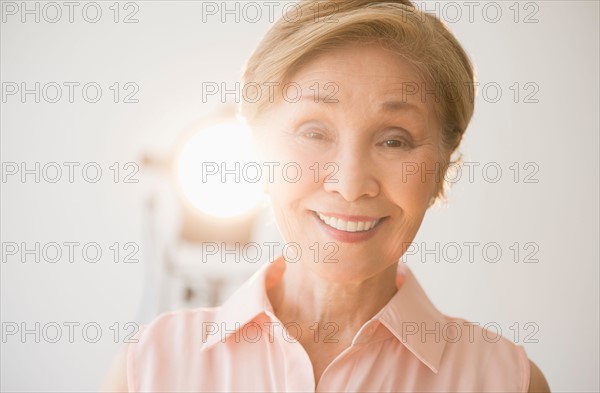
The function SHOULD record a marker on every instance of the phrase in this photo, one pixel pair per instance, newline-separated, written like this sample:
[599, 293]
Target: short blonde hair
[398, 25]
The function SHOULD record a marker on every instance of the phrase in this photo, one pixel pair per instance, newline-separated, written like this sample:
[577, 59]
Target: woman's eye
[395, 143]
[313, 135]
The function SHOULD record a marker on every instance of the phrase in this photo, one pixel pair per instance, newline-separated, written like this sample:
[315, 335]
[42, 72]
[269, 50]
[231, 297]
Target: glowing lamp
[214, 170]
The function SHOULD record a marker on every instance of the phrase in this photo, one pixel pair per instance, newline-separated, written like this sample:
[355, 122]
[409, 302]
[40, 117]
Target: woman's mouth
[345, 225]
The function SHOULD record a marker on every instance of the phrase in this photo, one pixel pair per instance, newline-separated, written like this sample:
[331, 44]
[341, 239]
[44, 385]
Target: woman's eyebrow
[319, 97]
[392, 105]
[397, 106]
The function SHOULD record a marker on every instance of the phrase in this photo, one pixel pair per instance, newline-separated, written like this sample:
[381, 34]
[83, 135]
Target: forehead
[372, 60]
[365, 75]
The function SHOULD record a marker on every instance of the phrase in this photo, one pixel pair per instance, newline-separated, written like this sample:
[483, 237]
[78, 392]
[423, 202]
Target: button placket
[299, 374]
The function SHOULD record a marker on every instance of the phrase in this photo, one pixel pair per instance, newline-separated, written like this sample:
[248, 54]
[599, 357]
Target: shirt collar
[409, 315]
[413, 319]
[244, 305]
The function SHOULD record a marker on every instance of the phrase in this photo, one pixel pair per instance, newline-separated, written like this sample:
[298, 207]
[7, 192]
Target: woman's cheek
[419, 178]
[403, 186]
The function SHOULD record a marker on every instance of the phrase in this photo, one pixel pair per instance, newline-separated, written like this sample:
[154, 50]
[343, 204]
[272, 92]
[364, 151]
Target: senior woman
[386, 95]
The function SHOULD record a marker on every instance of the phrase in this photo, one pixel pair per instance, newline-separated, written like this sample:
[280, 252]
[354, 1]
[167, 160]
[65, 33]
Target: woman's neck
[301, 296]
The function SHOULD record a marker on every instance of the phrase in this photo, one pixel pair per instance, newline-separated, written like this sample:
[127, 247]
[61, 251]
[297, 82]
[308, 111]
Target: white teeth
[348, 226]
[341, 225]
[332, 221]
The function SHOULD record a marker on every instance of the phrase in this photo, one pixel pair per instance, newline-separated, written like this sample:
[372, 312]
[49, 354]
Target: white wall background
[170, 52]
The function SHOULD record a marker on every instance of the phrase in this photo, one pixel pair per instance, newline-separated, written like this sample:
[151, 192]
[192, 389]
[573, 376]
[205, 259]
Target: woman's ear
[431, 202]
[435, 192]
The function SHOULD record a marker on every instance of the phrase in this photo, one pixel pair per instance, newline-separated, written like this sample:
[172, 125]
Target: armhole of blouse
[525, 367]
[132, 377]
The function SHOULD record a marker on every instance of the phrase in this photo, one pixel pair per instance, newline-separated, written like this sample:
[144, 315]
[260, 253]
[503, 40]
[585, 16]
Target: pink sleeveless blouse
[408, 346]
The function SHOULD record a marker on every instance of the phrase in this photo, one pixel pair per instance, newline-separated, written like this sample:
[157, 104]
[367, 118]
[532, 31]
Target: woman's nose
[352, 175]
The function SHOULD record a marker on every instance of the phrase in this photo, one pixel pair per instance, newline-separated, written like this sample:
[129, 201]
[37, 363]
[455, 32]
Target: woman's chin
[347, 267]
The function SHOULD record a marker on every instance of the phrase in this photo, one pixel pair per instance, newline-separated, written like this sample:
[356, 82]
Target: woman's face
[367, 150]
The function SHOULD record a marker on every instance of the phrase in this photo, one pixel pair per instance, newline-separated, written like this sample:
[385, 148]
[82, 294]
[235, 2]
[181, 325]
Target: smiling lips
[348, 226]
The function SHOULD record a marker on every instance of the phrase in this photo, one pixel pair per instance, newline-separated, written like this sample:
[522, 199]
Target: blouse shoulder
[495, 362]
[161, 346]
[181, 322]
